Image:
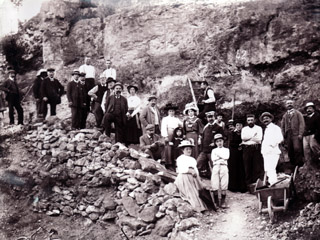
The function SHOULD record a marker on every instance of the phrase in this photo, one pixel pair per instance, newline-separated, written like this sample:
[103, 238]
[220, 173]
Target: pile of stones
[305, 226]
[85, 173]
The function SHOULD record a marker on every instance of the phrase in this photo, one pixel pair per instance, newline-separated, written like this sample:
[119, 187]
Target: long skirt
[195, 150]
[237, 182]
[134, 130]
[189, 187]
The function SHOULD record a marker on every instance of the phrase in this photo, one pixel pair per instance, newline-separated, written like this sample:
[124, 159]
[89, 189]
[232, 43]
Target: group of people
[232, 155]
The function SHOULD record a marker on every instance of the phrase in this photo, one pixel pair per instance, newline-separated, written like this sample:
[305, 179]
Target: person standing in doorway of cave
[151, 115]
[110, 72]
[293, 126]
[116, 108]
[41, 75]
[51, 91]
[251, 137]
[311, 136]
[208, 100]
[10, 87]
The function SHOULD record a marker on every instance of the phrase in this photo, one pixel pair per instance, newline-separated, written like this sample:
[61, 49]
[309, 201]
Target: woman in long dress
[134, 130]
[188, 181]
[235, 163]
[168, 125]
[193, 127]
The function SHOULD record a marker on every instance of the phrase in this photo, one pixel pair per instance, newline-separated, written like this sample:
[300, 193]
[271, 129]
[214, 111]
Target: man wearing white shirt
[251, 136]
[208, 100]
[270, 146]
[110, 72]
[90, 72]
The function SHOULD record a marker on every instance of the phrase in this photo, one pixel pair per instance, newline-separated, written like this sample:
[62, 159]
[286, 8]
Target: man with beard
[150, 143]
[270, 146]
[293, 126]
[151, 115]
[209, 130]
[311, 133]
[41, 75]
[116, 108]
[51, 91]
[251, 136]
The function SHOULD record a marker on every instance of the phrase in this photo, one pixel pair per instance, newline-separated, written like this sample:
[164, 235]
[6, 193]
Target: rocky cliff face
[260, 50]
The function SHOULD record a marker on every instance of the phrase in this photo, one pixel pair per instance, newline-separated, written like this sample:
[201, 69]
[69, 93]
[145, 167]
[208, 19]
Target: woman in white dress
[188, 181]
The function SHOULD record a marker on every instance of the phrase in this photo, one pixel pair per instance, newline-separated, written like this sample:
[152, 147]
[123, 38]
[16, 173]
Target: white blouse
[168, 124]
[134, 104]
[185, 162]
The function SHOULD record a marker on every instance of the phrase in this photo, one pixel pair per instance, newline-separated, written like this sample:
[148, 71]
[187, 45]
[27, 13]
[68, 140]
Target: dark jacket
[207, 136]
[145, 141]
[36, 88]
[294, 122]
[147, 116]
[52, 90]
[11, 89]
[312, 124]
[76, 94]
[109, 106]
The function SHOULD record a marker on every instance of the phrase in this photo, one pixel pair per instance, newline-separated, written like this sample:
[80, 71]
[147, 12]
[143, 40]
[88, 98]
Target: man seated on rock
[151, 144]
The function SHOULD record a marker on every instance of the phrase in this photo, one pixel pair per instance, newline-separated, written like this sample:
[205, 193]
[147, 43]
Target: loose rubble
[84, 173]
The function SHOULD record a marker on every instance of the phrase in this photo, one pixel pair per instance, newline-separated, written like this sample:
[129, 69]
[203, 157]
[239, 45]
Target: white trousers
[220, 177]
[270, 163]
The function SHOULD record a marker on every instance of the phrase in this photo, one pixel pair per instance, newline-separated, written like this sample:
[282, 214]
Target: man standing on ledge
[116, 108]
[90, 73]
[292, 126]
[10, 87]
[251, 136]
[208, 100]
[109, 72]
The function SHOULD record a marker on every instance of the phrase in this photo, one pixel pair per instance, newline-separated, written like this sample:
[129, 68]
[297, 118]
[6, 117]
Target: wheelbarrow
[276, 197]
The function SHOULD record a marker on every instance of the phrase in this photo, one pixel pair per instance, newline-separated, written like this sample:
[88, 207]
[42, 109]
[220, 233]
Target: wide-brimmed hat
[191, 106]
[75, 72]
[170, 106]
[150, 127]
[41, 71]
[12, 71]
[50, 69]
[152, 97]
[185, 143]
[309, 104]
[118, 84]
[238, 120]
[110, 79]
[217, 136]
[211, 113]
[266, 114]
[132, 86]
[230, 122]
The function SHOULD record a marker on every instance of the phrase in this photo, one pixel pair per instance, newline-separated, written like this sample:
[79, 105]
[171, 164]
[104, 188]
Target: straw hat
[185, 143]
[191, 106]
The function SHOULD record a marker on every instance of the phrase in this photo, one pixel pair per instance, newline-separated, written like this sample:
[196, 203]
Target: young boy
[220, 172]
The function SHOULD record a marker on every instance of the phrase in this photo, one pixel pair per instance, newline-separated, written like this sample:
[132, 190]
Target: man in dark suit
[151, 143]
[10, 87]
[51, 91]
[151, 115]
[115, 108]
[76, 95]
[41, 75]
[293, 126]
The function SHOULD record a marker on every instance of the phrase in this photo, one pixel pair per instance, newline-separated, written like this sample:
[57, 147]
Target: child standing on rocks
[220, 172]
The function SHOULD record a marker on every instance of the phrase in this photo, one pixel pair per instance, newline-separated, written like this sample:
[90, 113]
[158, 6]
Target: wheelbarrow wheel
[270, 209]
